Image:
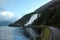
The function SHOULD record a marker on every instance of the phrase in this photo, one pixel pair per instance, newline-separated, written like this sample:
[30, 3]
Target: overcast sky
[18, 8]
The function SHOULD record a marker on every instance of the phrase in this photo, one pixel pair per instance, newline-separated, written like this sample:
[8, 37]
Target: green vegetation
[46, 34]
[50, 16]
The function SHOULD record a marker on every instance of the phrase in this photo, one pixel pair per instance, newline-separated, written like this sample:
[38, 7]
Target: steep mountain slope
[50, 15]
[23, 20]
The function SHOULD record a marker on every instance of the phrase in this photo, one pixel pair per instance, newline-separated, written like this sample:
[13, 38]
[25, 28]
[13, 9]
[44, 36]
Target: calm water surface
[11, 33]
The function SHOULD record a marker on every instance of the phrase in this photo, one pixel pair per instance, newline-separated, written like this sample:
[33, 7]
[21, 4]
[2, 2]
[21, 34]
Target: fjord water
[11, 33]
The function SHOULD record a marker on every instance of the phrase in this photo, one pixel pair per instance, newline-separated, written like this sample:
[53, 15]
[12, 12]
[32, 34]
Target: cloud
[6, 15]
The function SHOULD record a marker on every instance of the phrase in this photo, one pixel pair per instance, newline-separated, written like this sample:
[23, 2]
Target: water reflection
[12, 33]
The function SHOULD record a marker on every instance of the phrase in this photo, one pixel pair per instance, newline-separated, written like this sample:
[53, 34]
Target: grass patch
[46, 34]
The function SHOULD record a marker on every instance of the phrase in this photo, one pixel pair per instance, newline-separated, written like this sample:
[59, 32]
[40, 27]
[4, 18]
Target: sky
[18, 8]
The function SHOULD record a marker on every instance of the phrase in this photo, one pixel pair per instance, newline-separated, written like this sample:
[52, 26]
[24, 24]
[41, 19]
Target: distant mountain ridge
[7, 22]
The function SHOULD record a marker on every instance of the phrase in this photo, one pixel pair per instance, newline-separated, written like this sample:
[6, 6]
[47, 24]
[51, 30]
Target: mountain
[7, 22]
[23, 20]
[50, 15]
